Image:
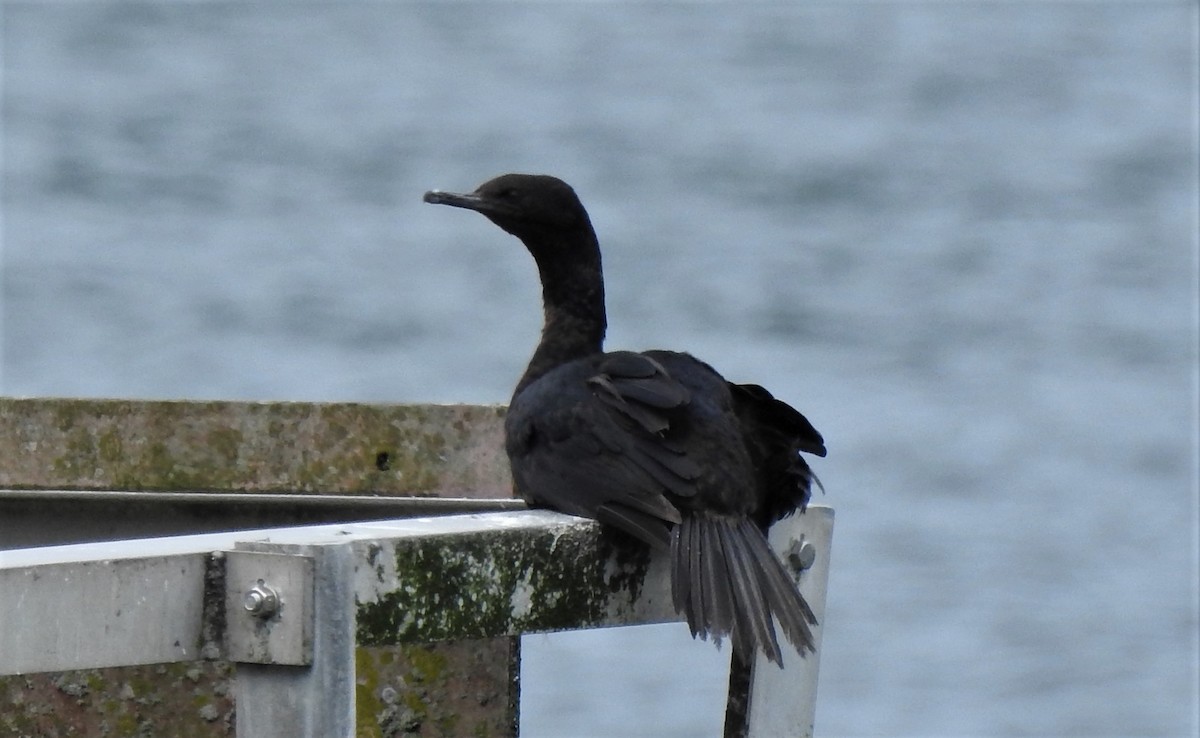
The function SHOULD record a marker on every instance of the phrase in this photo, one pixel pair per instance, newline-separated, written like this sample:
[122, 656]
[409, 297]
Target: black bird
[655, 443]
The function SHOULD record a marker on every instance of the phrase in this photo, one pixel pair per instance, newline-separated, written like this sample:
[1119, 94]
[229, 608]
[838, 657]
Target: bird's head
[533, 207]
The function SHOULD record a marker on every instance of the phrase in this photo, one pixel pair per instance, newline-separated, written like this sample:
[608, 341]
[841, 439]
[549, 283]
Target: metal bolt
[261, 600]
[801, 555]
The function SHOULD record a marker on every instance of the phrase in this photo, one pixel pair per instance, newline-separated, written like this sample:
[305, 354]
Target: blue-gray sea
[960, 237]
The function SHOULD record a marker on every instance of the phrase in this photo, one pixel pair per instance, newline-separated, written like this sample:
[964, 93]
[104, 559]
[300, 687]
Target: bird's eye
[509, 194]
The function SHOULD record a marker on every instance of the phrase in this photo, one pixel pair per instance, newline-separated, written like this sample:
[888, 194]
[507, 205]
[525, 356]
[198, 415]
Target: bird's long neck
[572, 302]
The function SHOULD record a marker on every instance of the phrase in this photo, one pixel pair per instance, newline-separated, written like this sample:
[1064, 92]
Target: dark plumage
[656, 443]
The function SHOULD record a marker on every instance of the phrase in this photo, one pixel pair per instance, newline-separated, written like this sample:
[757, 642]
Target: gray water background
[960, 237]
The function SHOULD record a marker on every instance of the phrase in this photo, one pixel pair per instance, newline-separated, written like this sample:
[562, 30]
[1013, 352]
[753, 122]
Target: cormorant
[655, 443]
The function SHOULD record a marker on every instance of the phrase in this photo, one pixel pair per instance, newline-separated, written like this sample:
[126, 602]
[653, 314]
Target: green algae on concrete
[328, 448]
[467, 688]
[504, 582]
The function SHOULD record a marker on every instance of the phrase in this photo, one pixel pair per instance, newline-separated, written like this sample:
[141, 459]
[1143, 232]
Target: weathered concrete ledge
[348, 450]
[330, 448]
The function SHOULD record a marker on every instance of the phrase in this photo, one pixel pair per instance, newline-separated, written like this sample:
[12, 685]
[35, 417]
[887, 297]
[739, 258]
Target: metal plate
[279, 635]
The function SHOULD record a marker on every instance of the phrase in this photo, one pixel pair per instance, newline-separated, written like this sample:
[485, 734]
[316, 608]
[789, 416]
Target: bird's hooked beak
[470, 201]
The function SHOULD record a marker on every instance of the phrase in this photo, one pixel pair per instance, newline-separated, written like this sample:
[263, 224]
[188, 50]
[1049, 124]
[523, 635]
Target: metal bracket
[268, 608]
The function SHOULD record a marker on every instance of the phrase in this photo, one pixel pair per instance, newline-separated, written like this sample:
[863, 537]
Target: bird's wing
[601, 446]
[776, 433]
[776, 417]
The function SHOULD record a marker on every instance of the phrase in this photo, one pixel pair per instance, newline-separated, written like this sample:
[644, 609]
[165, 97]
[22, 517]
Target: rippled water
[960, 237]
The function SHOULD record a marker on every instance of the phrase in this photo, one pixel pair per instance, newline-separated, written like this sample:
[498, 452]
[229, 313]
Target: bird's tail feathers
[728, 583]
